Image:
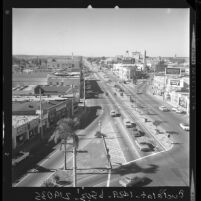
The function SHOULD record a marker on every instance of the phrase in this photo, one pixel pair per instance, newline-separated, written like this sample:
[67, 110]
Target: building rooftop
[53, 89]
[30, 107]
[20, 120]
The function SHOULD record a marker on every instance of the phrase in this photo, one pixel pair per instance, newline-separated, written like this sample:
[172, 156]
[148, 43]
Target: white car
[184, 126]
[163, 108]
[20, 157]
[127, 123]
[113, 113]
[174, 109]
[180, 111]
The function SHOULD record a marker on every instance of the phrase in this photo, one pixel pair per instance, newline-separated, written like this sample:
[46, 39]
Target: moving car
[163, 108]
[20, 157]
[127, 123]
[184, 126]
[113, 113]
[132, 179]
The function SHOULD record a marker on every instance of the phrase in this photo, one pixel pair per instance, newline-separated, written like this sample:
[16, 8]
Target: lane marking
[108, 180]
[156, 153]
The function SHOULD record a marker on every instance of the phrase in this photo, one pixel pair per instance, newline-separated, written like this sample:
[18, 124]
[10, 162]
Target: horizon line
[88, 56]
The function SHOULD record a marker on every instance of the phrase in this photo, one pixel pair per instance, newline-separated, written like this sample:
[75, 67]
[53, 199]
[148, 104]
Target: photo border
[29, 194]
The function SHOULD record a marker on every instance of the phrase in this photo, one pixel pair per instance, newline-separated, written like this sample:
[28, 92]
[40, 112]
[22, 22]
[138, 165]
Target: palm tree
[66, 129]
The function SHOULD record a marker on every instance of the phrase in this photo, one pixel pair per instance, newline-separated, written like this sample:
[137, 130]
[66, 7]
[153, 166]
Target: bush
[49, 183]
[63, 177]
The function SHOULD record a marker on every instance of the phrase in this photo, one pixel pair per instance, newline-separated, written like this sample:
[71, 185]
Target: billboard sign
[175, 82]
[173, 71]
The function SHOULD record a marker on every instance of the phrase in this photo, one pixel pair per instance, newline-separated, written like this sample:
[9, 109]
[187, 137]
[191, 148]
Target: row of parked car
[184, 126]
[175, 109]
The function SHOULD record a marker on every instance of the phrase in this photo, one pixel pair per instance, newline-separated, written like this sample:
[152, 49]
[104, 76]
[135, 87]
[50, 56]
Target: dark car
[99, 134]
[139, 133]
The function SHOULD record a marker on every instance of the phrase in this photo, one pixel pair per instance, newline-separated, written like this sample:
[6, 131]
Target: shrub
[49, 183]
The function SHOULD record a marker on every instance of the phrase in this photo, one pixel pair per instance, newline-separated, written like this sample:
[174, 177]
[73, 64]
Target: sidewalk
[160, 98]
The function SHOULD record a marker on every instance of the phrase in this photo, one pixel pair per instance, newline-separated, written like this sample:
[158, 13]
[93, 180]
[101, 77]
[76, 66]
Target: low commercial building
[181, 100]
[23, 129]
[64, 79]
[26, 117]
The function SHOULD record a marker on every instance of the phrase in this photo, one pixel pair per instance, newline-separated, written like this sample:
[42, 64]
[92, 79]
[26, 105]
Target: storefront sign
[175, 82]
[173, 71]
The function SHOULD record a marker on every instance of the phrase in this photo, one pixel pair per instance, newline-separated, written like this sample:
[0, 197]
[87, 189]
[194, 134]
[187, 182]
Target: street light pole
[74, 167]
[84, 92]
[72, 108]
[41, 117]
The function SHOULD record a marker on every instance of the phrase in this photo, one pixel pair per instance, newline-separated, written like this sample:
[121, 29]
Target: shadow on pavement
[89, 116]
[43, 169]
[94, 90]
[134, 168]
[172, 132]
[145, 182]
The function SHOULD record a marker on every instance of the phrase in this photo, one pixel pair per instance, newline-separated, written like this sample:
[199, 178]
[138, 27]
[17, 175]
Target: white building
[124, 71]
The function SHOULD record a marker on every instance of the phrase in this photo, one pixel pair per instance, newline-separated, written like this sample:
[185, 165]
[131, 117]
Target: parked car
[135, 129]
[174, 109]
[184, 126]
[163, 108]
[113, 113]
[20, 157]
[139, 133]
[127, 123]
[143, 146]
[118, 114]
[180, 111]
[99, 134]
[132, 179]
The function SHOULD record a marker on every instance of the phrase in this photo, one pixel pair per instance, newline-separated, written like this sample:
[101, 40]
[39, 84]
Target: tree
[161, 66]
[49, 183]
[66, 129]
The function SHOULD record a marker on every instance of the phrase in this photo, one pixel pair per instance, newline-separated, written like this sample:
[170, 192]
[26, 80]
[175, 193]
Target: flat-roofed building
[26, 117]
[23, 128]
[125, 72]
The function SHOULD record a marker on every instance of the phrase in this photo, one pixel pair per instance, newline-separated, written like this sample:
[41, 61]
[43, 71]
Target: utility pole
[164, 86]
[74, 166]
[84, 92]
[41, 115]
[72, 107]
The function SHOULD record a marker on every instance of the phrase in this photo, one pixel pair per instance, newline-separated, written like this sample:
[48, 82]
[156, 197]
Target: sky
[101, 32]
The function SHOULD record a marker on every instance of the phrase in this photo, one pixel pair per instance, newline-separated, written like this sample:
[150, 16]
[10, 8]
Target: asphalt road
[174, 164]
[164, 169]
